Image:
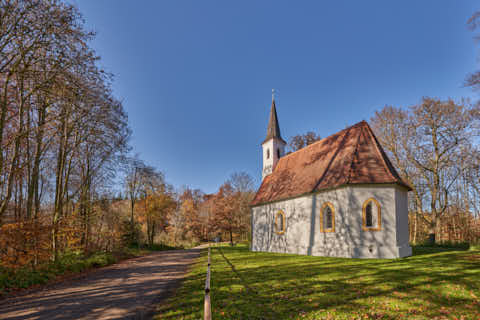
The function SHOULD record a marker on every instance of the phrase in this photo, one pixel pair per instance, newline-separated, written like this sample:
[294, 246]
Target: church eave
[344, 185]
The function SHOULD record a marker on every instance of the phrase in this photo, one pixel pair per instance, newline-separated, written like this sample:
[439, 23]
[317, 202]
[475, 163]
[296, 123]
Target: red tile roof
[351, 156]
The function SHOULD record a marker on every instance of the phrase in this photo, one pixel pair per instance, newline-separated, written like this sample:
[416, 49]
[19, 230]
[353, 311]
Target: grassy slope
[433, 284]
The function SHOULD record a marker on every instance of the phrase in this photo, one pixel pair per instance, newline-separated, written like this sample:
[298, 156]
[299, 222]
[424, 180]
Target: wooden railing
[207, 306]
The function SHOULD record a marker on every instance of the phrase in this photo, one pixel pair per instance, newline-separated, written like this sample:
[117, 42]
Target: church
[337, 197]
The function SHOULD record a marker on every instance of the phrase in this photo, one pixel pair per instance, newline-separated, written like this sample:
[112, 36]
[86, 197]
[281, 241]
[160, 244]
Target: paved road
[127, 290]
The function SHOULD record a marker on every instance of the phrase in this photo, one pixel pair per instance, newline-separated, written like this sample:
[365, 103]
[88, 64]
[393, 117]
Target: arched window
[280, 222]
[372, 215]
[268, 153]
[278, 153]
[368, 215]
[327, 218]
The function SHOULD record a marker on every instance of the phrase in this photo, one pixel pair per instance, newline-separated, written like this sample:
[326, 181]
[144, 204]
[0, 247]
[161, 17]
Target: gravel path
[127, 290]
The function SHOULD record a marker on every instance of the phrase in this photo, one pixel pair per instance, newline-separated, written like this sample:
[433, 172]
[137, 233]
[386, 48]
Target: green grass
[69, 263]
[435, 283]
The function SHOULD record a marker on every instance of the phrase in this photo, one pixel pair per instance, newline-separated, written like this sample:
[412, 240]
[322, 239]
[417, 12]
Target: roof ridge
[354, 154]
[340, 146]
[316, 142]
[381, 153]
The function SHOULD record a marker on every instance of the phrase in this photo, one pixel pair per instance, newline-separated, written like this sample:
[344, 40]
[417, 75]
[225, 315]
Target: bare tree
[135, 172]
[433, 146]
[473, 79]
[302, 140]
[61, 129]
[243, 184]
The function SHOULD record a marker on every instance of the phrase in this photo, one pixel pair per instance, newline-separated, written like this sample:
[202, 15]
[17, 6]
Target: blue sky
[196, 76]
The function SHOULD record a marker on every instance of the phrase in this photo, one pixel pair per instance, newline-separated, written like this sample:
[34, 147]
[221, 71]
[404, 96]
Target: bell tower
[273, 146]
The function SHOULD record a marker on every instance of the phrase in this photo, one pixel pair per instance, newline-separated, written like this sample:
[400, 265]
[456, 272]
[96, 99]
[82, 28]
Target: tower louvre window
[268, 153]
[278, 153]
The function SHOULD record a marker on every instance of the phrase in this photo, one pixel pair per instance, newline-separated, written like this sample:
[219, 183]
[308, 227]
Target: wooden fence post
[207, 307]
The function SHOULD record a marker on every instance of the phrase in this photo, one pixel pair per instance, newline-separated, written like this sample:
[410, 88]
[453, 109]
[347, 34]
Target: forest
[69, 184]
[65, 151]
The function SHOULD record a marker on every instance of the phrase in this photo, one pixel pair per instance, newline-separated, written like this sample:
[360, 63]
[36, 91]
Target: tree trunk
[59, 186]
[415, 222]
[33, 185]
[432, 230]
[438, 230]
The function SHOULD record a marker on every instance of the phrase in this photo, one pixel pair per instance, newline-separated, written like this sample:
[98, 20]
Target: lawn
[433, 284]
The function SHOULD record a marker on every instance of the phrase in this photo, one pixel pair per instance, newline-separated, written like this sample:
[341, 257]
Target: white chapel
[338, 197]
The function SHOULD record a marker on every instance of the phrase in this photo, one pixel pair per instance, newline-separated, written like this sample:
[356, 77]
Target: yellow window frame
[322, 224]
[282, 214]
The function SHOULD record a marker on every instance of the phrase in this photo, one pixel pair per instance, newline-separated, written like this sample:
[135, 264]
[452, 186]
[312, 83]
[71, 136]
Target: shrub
[160, 247]
[447, 245]
[130, 235]
[70, 261]
[100, 259]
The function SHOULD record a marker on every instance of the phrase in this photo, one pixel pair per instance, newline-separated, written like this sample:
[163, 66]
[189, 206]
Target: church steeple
[273, 130]
[273, 146]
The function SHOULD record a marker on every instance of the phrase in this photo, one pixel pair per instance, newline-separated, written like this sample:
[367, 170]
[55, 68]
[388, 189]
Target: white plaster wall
[401, 201]
[297, 213]
[373, 244]
[303, 235]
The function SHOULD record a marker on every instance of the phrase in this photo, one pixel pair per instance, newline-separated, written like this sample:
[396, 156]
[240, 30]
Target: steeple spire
[273, 146]
[273, 130]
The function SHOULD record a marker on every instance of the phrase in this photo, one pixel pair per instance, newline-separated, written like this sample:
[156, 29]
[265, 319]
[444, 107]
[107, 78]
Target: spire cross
[273, 94]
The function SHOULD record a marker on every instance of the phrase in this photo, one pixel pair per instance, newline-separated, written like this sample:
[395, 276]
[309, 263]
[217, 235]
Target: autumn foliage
[24, 243]
[62, 132]
[222, 215]
[228, 215]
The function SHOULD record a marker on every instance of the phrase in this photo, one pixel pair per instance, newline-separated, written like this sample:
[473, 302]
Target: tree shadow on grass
[289, 286]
